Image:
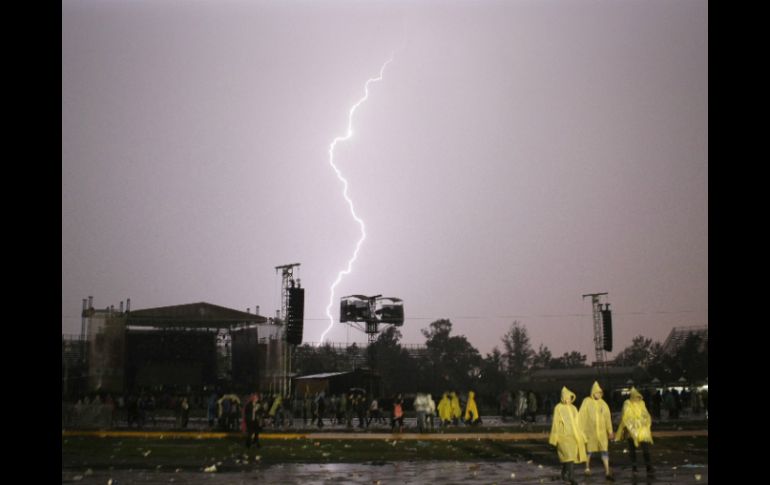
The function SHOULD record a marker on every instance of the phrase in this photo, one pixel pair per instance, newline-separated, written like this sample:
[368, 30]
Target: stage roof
[198, 315]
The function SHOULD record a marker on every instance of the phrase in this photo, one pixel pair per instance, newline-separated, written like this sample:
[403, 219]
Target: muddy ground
[376, 460]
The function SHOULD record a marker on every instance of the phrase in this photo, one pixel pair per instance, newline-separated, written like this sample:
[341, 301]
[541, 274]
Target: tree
[542, 359]
[307, 359]
[437, 334]
[492, 379]
[451, 361]
[645, 353]
[392, 362]
[518, 353]
[353, 354]
[383, 350]
[638, 353]
[570, 360]
[689, 360]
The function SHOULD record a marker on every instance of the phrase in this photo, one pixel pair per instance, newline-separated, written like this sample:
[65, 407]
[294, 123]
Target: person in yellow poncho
[228, 409]
[471, 411]
[276, 411]
[456, 409]
[566, 435]
[635, 425]
[445, 410]
[596, 422]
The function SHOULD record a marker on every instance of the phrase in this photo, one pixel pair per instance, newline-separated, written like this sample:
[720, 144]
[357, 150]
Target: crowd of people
[577, 434]
[223, 409]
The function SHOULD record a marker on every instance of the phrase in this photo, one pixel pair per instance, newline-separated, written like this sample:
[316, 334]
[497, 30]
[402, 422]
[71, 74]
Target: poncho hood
[596, 389]
[567, 396]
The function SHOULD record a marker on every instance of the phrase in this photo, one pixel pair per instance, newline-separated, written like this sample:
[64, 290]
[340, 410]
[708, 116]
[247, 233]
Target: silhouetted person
[252, 420]
[398, 414]
[184, 412]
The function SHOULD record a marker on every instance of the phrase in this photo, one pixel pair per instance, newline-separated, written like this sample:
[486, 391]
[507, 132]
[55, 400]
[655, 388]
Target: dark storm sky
[514, 156]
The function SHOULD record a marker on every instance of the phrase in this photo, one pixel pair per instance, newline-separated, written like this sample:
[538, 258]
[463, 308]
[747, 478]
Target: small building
[333, 383]
[580, 380]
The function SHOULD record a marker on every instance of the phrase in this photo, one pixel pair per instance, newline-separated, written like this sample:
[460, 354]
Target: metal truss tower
[597, 315]
[287, 281]
[372, 324]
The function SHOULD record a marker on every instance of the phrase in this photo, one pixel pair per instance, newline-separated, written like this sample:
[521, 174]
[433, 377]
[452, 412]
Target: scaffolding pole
[287, 281]
[597, 316]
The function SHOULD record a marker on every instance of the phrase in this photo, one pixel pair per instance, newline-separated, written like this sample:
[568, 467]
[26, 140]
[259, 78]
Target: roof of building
[579, 380]
[678, 336]
[326, 375]
[199, 314]
[322, 376]
[582, 372]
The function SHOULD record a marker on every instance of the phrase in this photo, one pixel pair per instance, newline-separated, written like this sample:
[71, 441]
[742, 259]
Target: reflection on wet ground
[405, 472]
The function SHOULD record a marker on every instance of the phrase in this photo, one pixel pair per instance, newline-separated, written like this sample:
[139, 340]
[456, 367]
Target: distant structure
[579, 380]
[333, 383]
[349, 356]
[292, 318]
[602, 317]
[359, 351]
[369, 313]
[678, 336]
[187, 346]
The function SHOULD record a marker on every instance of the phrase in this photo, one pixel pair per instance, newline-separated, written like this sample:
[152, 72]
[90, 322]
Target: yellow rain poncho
[595, 420]
[456, 409]
[232, 397]
[566, 435]
[470, 407]
[445, 408]
[276, 404]
[635, 422]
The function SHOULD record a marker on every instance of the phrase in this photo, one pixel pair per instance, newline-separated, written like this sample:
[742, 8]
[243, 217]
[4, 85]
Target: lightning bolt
[344, 181]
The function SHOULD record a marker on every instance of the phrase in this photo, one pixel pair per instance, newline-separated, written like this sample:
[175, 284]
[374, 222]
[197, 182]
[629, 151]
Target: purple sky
[515, 156]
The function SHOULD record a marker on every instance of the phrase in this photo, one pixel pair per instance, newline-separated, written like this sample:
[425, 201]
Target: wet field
[448, 473]
[679, 457]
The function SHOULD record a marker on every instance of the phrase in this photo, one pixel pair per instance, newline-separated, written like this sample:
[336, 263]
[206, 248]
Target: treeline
[450, 362]
[690, 360]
